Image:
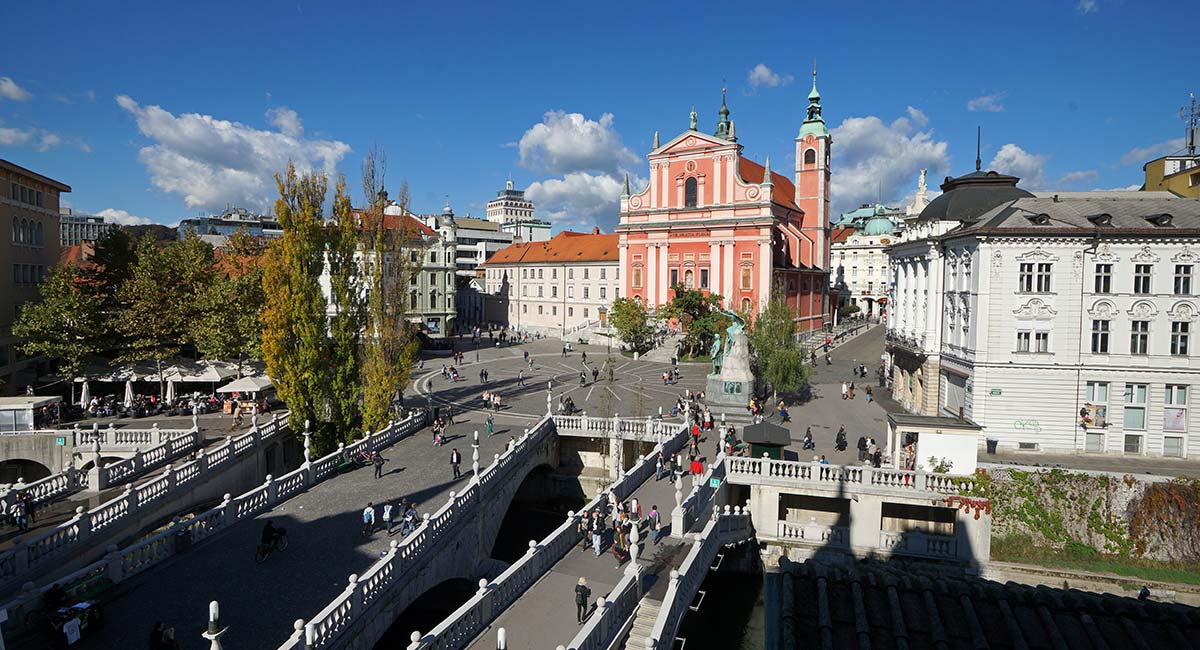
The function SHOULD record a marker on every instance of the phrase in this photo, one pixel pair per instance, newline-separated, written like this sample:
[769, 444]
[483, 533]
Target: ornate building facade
[713, 220]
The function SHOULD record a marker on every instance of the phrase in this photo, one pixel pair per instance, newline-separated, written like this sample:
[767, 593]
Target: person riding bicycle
[270, 533]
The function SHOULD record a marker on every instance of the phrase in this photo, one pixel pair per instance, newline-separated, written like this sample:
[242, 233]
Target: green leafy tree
[232, 305]
[67, 323]
[160, 306]
[293, 316]
[778, 357]
[390, 342]
[699, 316]
[633, 324]
[111, 265]
[346, 324]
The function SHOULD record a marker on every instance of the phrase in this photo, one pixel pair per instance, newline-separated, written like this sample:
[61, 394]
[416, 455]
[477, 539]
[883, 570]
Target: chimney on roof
[595, 230]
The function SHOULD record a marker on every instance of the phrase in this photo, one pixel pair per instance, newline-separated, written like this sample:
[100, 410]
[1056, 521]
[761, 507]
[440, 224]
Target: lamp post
[603, 311]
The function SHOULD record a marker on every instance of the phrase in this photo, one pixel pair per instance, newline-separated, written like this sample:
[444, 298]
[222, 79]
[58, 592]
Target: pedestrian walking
[840, 442]
[597, 531]
[491, 425]
[584, 357]
[659, 466]
[378, 460]
[582, 596]
[808, 439]
[387, 517]
[521, 378]
[595, 374]
[368, 518]
[482, 376]
[845, 390]
[655, 523]
[828, 360]
[582, 378]
[455, 461]
[584, 528]
[564, 352]
[870, 397]
[862, 448]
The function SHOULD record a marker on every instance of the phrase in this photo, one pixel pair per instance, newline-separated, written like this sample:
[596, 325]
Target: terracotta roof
[406, 222]
[564, 247]
[783, 191]
[840, 235]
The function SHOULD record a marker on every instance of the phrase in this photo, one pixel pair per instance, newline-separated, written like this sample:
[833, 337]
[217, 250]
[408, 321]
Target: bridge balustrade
[612, 612]
[723, 529]
[814, 533]
[688, 511]
[468, 621]
[122, 564]
[813, 474]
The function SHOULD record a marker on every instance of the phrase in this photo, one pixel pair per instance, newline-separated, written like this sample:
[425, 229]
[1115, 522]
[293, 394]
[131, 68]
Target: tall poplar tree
[293, 318]
[346, 324]
[67, 323]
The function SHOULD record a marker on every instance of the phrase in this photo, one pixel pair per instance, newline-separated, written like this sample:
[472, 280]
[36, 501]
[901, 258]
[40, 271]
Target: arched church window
[745, 305]
[689, 193]
[810, 157]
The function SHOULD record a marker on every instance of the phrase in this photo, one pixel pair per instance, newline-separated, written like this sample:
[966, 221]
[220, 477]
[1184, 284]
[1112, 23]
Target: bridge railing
[648, 428]
[726, 528]
[469, 620]
[612, 612]
[159, 446]
[121, 564]
[375, 586]
[695, 507]
[814, 474]
[36, 554]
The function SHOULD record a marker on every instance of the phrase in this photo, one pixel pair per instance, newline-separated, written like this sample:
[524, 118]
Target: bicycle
[278, 543]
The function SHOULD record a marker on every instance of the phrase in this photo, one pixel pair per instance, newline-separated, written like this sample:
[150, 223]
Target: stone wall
[1124, 516]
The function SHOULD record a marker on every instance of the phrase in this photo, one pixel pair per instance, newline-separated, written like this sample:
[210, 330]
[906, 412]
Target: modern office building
[515, 215]
[75, 229]
[217, 229]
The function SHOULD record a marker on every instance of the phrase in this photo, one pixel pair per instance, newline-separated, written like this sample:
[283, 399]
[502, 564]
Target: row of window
[528, 274]
[1139, 337]
[542, 311]
[433, 300]
[1036, 278]
[24, 194]
[1175, 403]
[27, 232]
[570, 292]
[29, 274]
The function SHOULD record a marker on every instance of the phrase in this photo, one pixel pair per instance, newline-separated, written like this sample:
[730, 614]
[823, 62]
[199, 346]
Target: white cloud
[871, 157]
[986, 103]
[91, 95]
[1128, 188]
[10, 90]
[569, 142]
[211, 162]
[762, 76]
[1077, 178]
[578, 200]
[1015, 161]
[48, 141]
[15, 137]
[122, 217]
[38, 139]
[917, 116]
[1086, 6]
[1142, 155]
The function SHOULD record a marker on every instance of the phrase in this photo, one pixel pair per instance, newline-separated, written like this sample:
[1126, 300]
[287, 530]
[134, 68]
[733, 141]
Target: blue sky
[156, 113]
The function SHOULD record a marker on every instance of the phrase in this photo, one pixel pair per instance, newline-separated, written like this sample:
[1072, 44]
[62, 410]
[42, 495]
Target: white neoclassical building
[554, 287]
[1059, 322]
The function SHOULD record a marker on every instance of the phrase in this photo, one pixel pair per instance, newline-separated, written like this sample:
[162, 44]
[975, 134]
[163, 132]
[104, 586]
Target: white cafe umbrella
[85, 396]
[170, 392]
[128, 394]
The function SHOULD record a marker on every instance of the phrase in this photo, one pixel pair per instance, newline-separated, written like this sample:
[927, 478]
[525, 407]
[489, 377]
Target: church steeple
[813, 122]
[767, 180]
[723, 123]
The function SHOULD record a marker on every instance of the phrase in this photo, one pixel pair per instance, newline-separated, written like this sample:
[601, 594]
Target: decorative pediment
[1037, 255]
[1143, 310]
[1182, 311]
[1145, 255]
[1105, 255]
[1103, 310]
[1035, 309]
[1186, 256]
[691, 140]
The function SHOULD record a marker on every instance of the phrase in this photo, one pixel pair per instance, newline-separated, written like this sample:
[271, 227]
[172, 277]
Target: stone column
[765, 264]
[714, 267]
[728, 287]
[649, 282]
[664, 283]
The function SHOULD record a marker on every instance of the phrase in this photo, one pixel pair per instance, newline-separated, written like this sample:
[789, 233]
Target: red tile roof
[840, 235]
[405, 222]
[783, 191]
[564, 247]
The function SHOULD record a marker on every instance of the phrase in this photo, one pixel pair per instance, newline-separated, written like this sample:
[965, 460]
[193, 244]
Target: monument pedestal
[723, 391]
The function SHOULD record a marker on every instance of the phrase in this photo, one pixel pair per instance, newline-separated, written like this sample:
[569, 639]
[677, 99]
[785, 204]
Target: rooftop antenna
[1190, 114]
[978, 135]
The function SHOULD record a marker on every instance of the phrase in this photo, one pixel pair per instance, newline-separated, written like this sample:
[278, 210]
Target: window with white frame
[1097, 392]
[1025, 278]
[1135, 408]
[1141, 278]
[1043, 277]
[570, 291]
[1103, 282]
[603, 293]
[1100, 336]
[1023, 340]
[1183, 279]
[1179, 338]
[1041, 341]
[1139, 336]
[1175, 408]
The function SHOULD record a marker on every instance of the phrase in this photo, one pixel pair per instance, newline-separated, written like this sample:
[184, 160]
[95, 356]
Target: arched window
[433, 298]
[810, 157]
[39, 234]
[746, 305]
[16, 233]
[24, 231]
[689, 193]
[688, 279]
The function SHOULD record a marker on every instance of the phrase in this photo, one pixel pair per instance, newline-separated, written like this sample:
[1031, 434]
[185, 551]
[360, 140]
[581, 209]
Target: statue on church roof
[695, 119]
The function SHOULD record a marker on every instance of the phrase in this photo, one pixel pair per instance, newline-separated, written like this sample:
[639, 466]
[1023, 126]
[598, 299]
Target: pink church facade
[713, 220]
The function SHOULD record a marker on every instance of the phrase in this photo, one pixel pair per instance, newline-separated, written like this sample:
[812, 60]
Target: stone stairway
[643, 623]
[664, 352]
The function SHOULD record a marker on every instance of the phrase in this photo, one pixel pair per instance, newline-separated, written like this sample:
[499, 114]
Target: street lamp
[603, 311]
